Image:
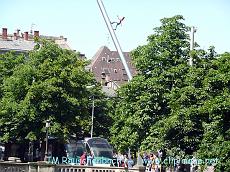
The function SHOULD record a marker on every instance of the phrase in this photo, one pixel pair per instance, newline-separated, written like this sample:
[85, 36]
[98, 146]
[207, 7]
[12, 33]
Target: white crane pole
[193, 30]
[114, 37]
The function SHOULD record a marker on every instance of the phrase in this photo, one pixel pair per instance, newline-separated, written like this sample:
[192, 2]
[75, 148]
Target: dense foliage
[144, 99]
[49, 83]
[173, 106]
[169, 105]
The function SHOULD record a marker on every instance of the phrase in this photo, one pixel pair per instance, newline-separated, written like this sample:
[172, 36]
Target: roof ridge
[97, 54]
[122, 51]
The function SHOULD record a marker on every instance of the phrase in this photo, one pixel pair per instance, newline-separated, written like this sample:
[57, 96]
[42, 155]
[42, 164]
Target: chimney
[15, 36]
[26, 36]
[4, 33]
[18, 30]
[36, 34]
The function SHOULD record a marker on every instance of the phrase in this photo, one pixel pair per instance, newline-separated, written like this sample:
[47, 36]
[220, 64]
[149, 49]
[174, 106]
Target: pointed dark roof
[107, 65]
[98, 53]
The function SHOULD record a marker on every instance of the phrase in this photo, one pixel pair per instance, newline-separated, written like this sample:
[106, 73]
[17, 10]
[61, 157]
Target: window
[112, 60]
[124, 72]
[106, 71]
[103, 59]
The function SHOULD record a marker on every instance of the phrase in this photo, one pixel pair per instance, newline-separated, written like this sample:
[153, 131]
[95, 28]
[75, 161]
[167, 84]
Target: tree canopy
[49, 83]
[144, 99]
[171, 105]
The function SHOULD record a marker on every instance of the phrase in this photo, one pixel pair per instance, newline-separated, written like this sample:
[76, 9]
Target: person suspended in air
[118, 23]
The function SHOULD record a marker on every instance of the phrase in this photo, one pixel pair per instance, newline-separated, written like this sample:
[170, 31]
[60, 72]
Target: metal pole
[47, 129]
[46, 151]
[191, 43]
[91, 133]
[114, 37]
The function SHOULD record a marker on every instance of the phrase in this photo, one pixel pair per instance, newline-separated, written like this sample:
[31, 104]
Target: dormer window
[124, 72]
[103, 59]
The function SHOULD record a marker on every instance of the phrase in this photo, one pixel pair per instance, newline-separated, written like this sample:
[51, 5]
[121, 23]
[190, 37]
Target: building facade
[108, 68]
[22, 42]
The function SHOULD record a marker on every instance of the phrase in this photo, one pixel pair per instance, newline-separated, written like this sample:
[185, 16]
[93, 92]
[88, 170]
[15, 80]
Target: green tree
[8, 63]
[144, 100]
[198, 123]
[169, 104]
[50, 83]
[216, 138]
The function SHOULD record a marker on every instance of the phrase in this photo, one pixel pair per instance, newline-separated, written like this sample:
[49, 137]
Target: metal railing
[14, 167]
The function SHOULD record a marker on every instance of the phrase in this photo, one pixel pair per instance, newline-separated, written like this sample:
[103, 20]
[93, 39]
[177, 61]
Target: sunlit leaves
[50, 83]
[144, 101]
[171, 105]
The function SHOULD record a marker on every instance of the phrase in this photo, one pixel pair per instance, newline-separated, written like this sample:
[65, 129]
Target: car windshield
[100, 147]
[75, 149]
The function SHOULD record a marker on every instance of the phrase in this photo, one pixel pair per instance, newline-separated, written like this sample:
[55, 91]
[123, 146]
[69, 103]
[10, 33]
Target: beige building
[22, 42]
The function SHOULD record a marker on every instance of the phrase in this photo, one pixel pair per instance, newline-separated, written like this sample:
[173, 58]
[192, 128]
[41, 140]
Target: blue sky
[81, 21]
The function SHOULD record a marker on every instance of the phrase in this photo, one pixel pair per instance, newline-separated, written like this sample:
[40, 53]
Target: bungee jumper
[114, 37]
[118, 23]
